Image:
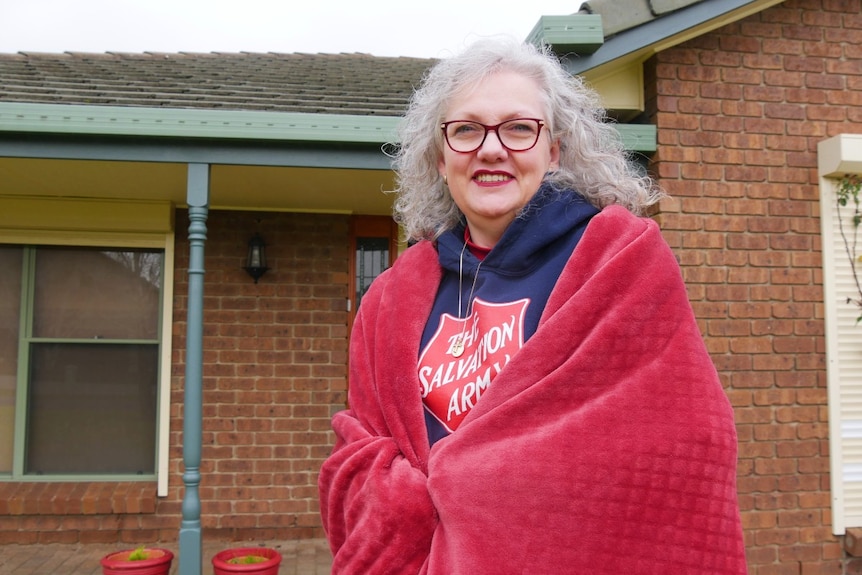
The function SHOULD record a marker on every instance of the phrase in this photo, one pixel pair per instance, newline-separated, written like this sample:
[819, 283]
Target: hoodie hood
[551, 216]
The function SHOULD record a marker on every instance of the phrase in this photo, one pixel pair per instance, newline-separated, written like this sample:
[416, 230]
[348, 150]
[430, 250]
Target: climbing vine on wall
[848, 196]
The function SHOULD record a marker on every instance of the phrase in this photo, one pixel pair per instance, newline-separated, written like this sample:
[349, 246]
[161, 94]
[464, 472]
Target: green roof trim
[195, 123]
[578, 33]
[228, 124]
[639, 137]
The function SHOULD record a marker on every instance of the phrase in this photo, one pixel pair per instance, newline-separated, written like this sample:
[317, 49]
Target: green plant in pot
[139, 561]
[247, 560]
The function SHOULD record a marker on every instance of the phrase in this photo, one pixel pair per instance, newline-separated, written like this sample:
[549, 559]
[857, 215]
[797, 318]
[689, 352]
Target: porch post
[190, 543]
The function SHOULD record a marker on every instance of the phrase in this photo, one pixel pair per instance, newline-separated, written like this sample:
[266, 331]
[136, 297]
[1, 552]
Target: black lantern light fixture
[255, 262]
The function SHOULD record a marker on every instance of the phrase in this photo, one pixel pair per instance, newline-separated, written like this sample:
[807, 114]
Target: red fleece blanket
[605, 446]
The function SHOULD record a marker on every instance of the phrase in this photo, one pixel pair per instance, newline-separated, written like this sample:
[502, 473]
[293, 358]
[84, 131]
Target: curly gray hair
[593, 160]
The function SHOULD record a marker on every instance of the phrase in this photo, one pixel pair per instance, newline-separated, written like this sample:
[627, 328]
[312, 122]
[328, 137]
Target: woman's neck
[479, 251]
[487, 236]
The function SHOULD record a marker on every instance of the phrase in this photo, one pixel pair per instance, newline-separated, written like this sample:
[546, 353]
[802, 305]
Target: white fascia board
[195, 123]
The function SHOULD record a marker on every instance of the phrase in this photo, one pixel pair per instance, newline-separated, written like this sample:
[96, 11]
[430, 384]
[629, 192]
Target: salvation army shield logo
[463, 357]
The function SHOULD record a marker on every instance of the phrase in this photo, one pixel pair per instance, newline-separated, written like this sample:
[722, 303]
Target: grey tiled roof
[621, 15]
[357, 84]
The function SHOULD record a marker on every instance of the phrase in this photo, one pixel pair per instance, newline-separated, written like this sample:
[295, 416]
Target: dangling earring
[445, 180]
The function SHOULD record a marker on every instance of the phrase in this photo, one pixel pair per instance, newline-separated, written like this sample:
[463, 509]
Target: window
[79, 360]
[837, 157]
[372, 257]
[374, 244]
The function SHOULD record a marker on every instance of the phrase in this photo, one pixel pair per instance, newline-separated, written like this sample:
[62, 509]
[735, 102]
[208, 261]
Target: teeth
[492, 178]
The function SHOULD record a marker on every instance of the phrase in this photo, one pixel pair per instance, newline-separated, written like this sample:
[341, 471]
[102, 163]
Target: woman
[529, 391]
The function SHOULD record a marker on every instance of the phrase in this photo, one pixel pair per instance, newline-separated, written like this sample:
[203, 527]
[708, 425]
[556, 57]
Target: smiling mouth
[492, 178]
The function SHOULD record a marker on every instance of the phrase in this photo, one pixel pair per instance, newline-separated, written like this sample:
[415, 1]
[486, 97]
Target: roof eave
[643, 41]
[323, 129]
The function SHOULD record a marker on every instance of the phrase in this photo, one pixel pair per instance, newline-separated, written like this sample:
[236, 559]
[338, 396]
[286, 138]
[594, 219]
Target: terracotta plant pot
[156, 562]
[231, 561]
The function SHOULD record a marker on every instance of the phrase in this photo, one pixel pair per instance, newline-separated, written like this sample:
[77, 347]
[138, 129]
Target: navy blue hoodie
[510, 292]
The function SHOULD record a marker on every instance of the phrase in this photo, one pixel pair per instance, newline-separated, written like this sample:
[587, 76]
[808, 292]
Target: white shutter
[843, 334]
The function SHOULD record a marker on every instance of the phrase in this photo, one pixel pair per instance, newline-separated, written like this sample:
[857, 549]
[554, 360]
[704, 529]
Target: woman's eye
[466, 129]
[520, 127]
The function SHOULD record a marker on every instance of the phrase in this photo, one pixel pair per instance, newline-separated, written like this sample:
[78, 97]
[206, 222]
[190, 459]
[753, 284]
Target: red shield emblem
[463, 357]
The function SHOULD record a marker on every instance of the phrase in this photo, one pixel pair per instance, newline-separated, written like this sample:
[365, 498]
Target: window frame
[837, 157]
[111, 225]
[368, 227]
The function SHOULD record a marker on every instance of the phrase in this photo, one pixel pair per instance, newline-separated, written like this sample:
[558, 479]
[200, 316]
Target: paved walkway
[303, 557]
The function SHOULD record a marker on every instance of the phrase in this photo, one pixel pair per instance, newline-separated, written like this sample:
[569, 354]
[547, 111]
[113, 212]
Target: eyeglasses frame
[540, 122]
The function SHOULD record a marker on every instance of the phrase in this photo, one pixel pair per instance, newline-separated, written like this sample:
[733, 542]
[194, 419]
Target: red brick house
[747, 112]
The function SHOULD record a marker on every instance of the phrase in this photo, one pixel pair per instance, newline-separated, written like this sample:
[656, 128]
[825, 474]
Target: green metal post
[190, 542]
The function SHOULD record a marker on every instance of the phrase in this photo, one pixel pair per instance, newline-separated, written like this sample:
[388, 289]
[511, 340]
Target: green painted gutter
[639, 137]
[194, 123]
[579, 33]
[74, 120]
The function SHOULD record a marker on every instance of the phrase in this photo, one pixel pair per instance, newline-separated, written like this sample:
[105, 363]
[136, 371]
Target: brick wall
[739, 113]
[275, 356]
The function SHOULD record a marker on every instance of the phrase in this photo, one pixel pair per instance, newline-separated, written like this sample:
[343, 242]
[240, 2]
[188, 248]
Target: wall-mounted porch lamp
[255, 263]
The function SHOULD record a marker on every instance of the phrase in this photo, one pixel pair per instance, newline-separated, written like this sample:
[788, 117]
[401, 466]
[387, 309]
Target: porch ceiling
[245, 187]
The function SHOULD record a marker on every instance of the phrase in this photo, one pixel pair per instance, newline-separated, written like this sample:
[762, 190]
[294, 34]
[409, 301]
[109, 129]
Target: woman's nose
[492, 146]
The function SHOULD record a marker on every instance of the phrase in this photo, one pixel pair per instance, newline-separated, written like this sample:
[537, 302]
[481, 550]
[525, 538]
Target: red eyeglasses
[516, 135]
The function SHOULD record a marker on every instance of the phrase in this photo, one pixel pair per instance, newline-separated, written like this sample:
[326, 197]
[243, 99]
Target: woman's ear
[554, 164]
[441, 167]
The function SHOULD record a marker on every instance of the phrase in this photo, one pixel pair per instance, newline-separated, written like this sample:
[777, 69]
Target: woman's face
[491, 184]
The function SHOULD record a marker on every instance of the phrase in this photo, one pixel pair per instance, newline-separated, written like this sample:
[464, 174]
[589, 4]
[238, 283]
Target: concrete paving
[301, 557]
